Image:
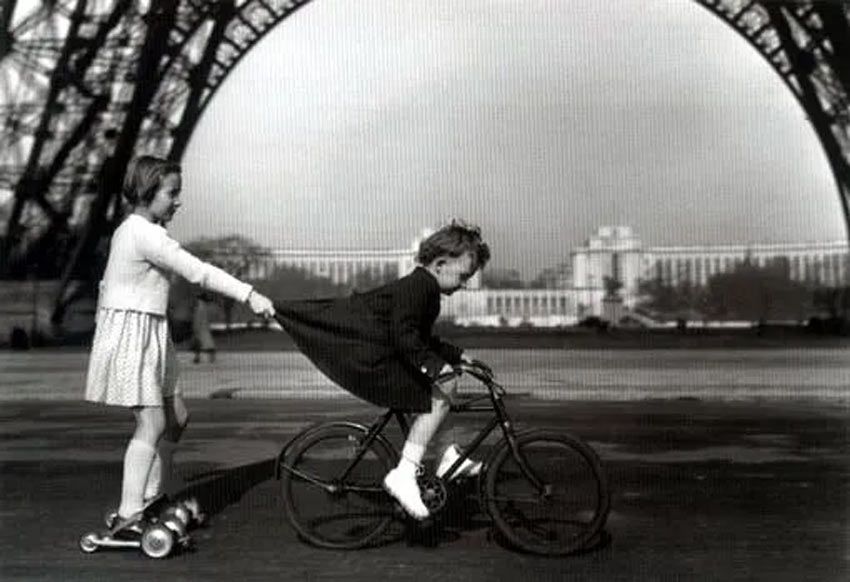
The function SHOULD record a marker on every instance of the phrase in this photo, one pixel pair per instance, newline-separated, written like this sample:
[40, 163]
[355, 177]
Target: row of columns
[530, 303]
[338, 269]
[823, 268]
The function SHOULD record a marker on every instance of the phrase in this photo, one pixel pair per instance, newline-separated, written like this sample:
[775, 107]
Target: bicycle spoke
[562, 514]
[315, 480]
[336, 512]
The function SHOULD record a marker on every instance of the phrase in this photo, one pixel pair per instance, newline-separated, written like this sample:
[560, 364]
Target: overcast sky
[357, 124]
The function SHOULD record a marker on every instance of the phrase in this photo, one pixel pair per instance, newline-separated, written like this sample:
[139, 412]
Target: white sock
[411, 457]
[154, 484]
[160, 476]
[137, 465]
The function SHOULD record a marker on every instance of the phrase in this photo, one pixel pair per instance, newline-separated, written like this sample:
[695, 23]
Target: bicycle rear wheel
[566, 511]
[326, 508]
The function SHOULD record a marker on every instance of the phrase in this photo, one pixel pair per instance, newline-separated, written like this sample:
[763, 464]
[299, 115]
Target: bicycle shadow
[597, 543]
[219, 488]
[463, 515]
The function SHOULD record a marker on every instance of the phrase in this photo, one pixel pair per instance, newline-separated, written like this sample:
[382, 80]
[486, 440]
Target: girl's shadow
[217, 489]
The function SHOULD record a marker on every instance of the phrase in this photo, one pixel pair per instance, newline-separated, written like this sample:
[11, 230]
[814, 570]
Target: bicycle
[545, 490]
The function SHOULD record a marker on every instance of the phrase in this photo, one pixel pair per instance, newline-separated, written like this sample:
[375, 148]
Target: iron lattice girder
[103, 62]
[808, 45]
[71, 73]
[71, 76]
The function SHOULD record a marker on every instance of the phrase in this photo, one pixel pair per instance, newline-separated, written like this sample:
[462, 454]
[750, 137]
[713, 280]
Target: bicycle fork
[510, 437]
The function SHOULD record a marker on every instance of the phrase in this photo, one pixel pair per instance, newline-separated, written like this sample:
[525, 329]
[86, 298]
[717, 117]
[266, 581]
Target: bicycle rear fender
[323, 425]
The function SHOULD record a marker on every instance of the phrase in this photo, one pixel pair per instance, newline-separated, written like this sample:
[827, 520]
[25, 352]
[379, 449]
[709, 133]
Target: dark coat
[377, 345]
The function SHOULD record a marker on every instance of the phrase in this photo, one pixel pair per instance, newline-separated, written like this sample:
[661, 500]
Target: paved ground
[752, 490]
[708, 374]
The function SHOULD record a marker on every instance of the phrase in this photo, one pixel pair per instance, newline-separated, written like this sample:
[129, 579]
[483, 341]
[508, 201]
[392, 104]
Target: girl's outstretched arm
[166, 253]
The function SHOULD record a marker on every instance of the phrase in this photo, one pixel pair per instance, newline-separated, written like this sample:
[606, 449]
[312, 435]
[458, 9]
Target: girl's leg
[176, 419]
[150, 424]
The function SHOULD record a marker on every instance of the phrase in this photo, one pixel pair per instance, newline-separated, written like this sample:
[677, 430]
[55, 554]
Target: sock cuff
[413, 449]
[411, 460]
[413, 452]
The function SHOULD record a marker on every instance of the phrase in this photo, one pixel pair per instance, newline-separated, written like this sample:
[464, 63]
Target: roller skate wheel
[110, 519]
[157, 541]
[171, 514]
[177, 527]
[181, 512]
[194, 508]
[88, 543]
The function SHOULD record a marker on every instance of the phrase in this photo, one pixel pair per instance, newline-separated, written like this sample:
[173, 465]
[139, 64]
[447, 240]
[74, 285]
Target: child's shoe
[403, 487]
[128, 528]
[468, 468]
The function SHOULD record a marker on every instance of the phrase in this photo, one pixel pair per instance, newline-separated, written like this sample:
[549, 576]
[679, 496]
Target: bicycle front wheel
[332, 498]
[550, 499]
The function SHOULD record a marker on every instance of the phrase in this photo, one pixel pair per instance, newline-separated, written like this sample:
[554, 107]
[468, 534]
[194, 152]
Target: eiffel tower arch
[86, 83]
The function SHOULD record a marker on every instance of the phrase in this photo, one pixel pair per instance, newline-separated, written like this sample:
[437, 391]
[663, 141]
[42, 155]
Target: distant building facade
[615, 252]
[575, 289]
[345, 267]
[512, 307]
[340, 266]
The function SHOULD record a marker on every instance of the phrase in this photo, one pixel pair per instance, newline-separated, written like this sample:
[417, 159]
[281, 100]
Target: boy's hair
[143, 177]
[454, 240]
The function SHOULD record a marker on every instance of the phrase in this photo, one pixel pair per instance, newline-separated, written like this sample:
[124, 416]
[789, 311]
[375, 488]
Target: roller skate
[186, 511]
[151, 530]
[151, 509]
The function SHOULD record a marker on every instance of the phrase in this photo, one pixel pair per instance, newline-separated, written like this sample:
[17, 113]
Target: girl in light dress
[133, 362]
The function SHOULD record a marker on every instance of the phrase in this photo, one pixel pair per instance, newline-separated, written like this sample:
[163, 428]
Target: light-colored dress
[133, 361]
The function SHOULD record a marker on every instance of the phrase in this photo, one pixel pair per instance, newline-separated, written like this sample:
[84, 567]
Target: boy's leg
[426, 425]
[447, 442]
[401, 481]
[445, 436]
[138, 459]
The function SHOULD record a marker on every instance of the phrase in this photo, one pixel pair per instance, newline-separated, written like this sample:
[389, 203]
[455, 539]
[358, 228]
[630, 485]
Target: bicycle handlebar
[478, 369]
[475, 368]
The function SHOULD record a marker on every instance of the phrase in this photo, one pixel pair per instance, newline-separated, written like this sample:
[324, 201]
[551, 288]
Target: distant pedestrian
[133, 361]
[202, 339]
[380, 346]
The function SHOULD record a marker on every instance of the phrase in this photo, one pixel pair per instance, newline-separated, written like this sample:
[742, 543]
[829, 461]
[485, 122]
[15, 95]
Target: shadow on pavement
[215, 490]
[597, 543]
[463, 514]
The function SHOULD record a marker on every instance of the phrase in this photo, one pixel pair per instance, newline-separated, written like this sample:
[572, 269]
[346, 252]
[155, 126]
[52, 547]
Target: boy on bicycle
[379, 346]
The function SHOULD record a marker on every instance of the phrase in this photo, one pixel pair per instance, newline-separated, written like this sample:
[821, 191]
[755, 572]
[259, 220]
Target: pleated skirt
[133, 361]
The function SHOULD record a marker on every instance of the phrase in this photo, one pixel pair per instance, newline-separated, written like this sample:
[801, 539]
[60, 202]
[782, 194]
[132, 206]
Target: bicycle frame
[495, 393]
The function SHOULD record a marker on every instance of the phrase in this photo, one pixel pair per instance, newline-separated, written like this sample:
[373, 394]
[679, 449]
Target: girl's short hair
[454, 240]
[143, 177]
